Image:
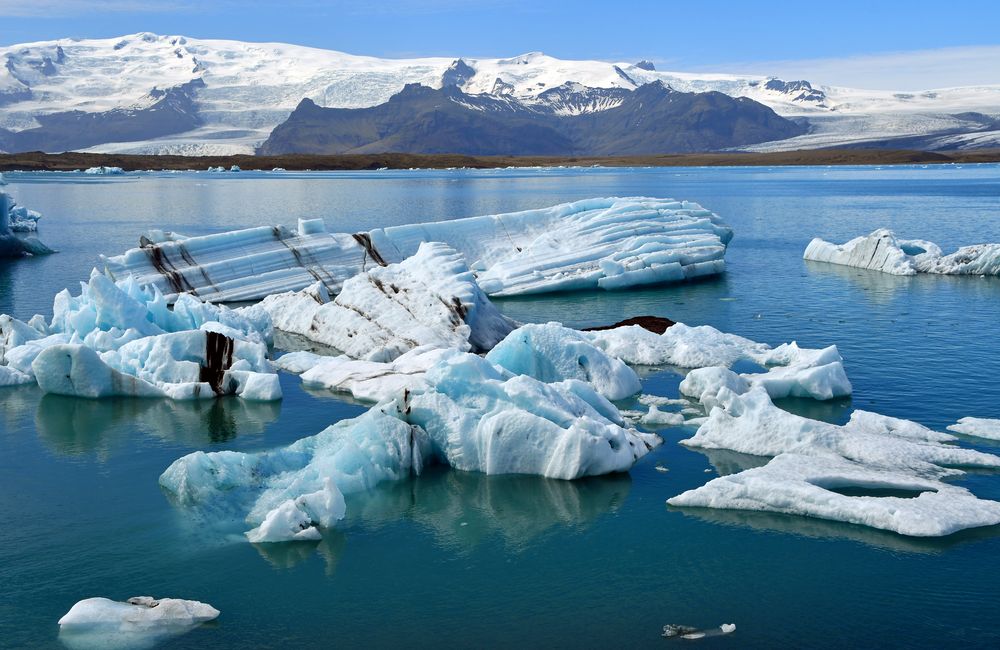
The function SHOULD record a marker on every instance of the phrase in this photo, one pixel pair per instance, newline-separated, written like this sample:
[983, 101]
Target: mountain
[146, 93]
[651, 119]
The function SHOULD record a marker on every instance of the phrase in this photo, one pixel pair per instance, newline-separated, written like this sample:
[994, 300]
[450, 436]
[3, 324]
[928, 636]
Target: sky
[899, 45]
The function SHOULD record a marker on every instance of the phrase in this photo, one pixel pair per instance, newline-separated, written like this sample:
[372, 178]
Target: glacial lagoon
[464, 560]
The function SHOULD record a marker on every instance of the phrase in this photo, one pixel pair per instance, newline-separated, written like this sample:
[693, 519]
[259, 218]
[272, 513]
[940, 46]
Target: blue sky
[771, 37]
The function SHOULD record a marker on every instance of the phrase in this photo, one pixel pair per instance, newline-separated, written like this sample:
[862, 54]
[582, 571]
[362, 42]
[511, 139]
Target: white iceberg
[680, 345]
[123, 339]
[13, 219]
[105, 171]
[816, 374]
[429, 299]
[141, 622]
[883, 251]
[553, 353]
[608, 243]
[850, 473]
[815, 486]
[980, 427]
[468, 414]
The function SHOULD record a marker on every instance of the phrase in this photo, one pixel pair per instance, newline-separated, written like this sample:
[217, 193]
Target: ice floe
[608, 243]
[979, 427]
[122, 339]
[883, 251]
[140, 622]
[17, 219]
[429, 299]
[874, 455]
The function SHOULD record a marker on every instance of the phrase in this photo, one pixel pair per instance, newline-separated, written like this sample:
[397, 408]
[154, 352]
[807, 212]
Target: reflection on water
[287, 555]
[74, 425]
[464, 509]
[823, 529]
[878, 287]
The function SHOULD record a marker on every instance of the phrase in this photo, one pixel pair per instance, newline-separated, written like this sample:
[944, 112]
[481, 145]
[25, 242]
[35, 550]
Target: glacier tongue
[608, 243]
[883, 251]
[429, 299]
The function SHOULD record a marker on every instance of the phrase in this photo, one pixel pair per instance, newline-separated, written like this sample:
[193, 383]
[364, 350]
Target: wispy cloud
[66, 8]
[911, 70]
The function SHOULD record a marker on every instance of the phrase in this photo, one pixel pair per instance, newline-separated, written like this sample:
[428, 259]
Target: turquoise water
[463, 560]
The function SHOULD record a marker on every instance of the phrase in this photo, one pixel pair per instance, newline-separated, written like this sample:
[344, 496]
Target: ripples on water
[467, 560]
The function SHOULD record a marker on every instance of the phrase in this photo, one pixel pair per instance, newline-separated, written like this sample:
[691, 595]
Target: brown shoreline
[36, 161]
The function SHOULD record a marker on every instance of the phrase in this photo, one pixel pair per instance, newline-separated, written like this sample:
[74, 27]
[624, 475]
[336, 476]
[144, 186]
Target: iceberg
[979, 427]
[17, 219]
[105, 171]
[429, 299]
[875, 470]
[605, 243]
[468, 414]
[141, 622]
[123, 339]
[831, 487]
[883, 251]
[816, 374]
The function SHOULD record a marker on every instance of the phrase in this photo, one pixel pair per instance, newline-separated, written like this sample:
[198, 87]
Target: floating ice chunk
[220, 168]
[979, 427]
[180, 365]
[13, 377]
[693, 633]
[142, 622]
[430, 298]
[657, 418]
[105, 171]
[14, 218]
[481, 418]
[553, 353]
[752, 424]
[818, 374]
[605, 243]
[883, 251]
[286, 491]
[808, 485]
[235, 168]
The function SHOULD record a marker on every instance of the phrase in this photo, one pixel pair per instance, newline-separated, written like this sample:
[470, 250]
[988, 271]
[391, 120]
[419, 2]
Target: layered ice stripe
[883, 251]
[605, 243]
[429, 299]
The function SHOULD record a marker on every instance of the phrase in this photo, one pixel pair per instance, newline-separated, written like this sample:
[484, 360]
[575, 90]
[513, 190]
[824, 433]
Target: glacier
[883, 251]
[123, 339]
[468, 414]
[140, 622]
[602, 243]
[428, 299]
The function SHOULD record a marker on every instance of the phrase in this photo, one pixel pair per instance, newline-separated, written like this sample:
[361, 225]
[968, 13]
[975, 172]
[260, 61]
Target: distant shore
[300, 162]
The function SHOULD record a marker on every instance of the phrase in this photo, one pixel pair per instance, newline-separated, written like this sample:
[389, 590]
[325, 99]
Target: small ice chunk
[657, 418]
[979, 427]
[142, 622]
[104, 171]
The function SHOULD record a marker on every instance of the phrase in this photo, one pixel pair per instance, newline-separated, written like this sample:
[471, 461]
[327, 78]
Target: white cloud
[913, 70]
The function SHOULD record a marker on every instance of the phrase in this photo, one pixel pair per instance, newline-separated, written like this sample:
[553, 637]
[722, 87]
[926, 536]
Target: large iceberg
[875, 470]
[14, 219]
[883, 251]
[429, 299]
[141, 622]
[469, 414]
[607, 243]
[123, 339]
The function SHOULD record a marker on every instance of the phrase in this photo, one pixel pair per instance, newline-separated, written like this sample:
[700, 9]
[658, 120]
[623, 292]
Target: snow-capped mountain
[146, 93]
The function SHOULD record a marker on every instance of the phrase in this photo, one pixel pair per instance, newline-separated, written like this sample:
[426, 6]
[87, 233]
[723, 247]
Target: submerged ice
[883, 251]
